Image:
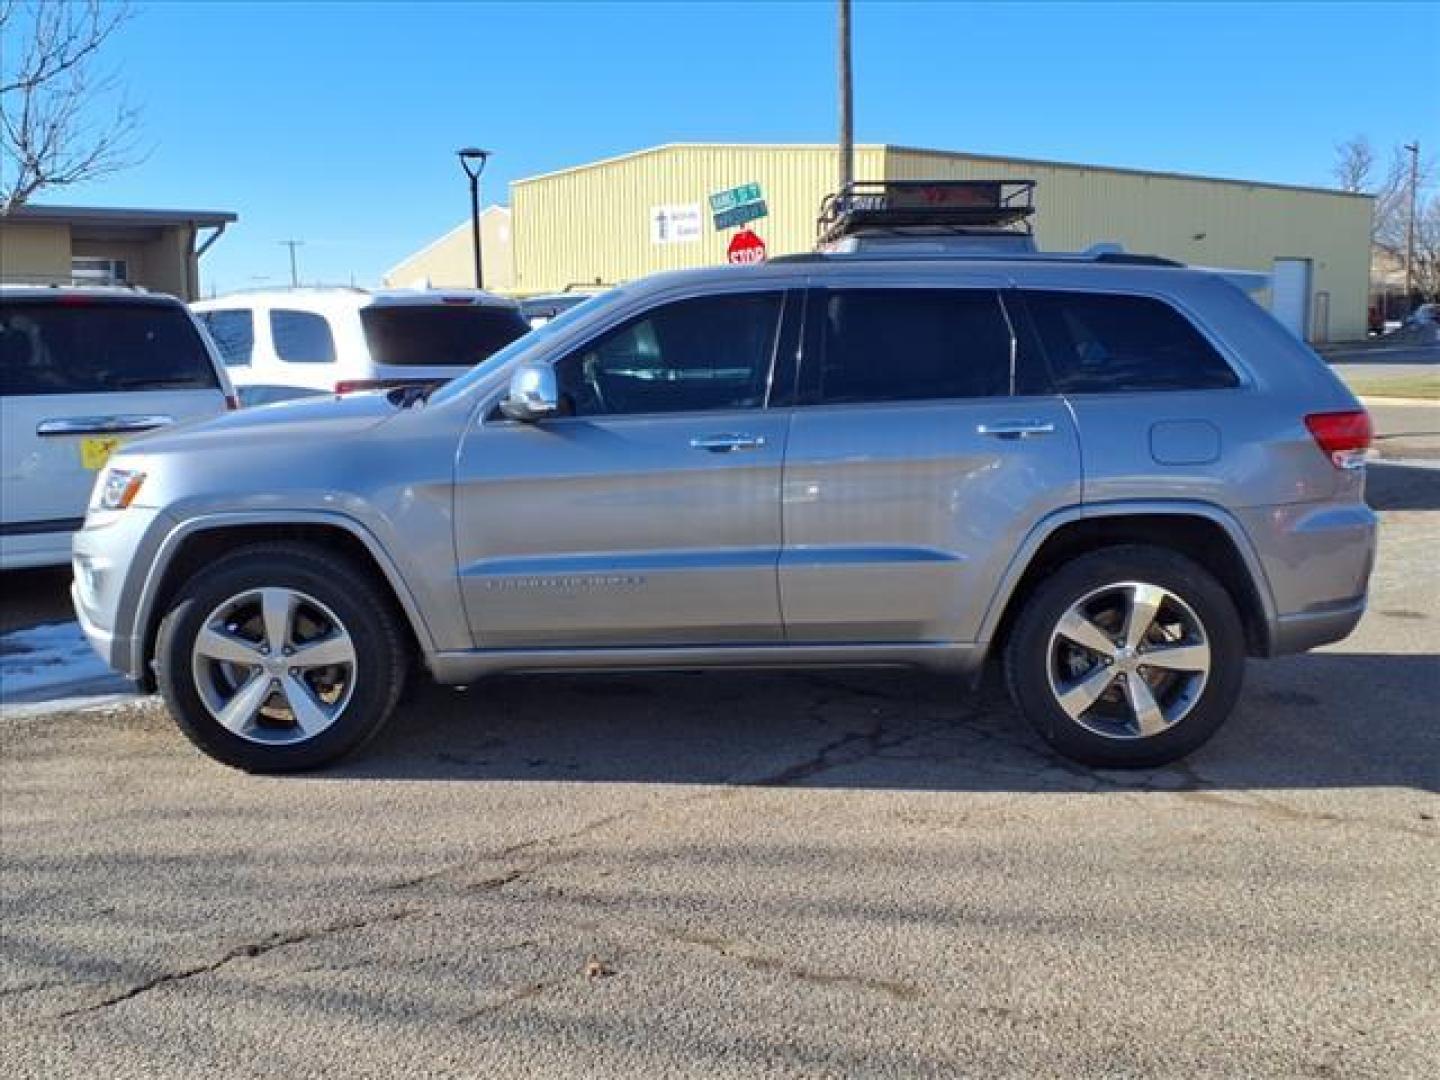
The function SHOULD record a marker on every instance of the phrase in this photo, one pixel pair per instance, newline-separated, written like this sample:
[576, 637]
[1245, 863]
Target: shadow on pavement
[32, 597]
[1318, 721]
[1402, 487]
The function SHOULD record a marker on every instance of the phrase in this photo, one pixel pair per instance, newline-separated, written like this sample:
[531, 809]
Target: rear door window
[911, 345]
[459, 335]
[301, 337]
[1100, 343]
[82, 346]
[233, 333]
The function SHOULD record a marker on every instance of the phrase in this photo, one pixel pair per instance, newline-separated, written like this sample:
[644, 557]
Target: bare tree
[1427, 249]
[63, 119]
[1356, 168]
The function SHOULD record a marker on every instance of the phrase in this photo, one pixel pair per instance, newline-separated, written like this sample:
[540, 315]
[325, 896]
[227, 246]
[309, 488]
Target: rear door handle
[724, 444]
[1016, 429]
[101, 425]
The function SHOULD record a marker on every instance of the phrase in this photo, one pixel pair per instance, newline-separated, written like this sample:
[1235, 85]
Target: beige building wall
[592, 223]
[450, 261]
[164, 262]
[1197, 221]
[34, 253]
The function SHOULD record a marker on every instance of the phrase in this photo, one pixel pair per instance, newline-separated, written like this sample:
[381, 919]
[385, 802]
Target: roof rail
[317, 287]
[1111, 258]
[896, 207]
[64, 281]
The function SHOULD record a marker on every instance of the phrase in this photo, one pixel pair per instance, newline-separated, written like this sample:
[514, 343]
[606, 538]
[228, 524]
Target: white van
[287, 343]
[81, 371]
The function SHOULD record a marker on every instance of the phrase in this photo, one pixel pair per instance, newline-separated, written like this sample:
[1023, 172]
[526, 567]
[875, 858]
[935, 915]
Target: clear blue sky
[336, 123]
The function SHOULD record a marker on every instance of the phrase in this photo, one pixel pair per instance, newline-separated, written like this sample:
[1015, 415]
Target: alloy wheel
[274, 665]
[1128, 660]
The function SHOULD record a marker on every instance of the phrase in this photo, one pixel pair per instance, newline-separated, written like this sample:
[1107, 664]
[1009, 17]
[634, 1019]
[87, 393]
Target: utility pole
[847, 101]
[1414, 149]
[294, 273]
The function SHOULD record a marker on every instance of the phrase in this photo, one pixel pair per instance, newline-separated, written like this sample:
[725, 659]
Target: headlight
[117, 488]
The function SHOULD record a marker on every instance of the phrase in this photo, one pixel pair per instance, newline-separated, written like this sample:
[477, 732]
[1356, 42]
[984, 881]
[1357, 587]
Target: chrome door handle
[724, 444]
[101, 425]
[1016, 429]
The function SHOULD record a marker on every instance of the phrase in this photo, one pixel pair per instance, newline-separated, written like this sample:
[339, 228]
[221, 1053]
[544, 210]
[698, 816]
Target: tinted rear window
[91, 347]
[455, 336]
[914, 344]
[1099, 343]
[301, 337]
[233, 333]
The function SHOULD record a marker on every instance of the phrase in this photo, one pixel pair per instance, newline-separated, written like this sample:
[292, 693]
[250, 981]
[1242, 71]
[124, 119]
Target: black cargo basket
[930, 206]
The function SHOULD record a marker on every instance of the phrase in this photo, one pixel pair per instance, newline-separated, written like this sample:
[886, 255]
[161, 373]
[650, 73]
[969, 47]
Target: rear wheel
[1127, 657]
[280, 657]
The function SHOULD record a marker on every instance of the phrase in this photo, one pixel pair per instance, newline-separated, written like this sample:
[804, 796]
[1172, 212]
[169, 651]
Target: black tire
[1028, 660]
[380, 656]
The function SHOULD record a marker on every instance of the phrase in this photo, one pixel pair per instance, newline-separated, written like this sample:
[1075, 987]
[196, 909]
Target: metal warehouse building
[622, 218]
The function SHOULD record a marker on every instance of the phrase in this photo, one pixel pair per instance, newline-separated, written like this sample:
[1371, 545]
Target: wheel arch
[1201, 531]
[200, 540]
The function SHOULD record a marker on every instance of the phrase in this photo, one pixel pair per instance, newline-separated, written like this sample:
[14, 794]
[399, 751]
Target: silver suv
[1120, 475]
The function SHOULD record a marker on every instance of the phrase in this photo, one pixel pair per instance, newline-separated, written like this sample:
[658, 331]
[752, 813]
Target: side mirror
[533, 394]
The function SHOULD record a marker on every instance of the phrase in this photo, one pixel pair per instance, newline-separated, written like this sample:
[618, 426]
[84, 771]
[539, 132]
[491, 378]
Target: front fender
[135, 631]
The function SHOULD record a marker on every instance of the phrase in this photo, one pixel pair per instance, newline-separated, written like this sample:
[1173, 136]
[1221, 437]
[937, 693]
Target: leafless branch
[1356, 168]
[53, 97]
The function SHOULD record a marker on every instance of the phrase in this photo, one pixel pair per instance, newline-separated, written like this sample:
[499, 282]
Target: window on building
[913, 344]
[709, 353]
[1102, 343]
[302, 337]
[98, 270]
[233, 333]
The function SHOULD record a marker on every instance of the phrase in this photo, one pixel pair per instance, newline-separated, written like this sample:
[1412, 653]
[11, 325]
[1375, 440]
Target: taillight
[231, 402]
[1343, 437]
[349, 386]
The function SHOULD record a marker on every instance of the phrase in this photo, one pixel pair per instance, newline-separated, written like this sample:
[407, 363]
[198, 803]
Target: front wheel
[1127, 657]
[280, 657]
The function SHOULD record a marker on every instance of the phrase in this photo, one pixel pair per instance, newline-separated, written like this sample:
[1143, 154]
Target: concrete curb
[1370, 400]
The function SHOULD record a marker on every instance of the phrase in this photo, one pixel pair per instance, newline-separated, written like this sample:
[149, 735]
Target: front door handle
[727, 443]
[101, 425]
[1016, 429]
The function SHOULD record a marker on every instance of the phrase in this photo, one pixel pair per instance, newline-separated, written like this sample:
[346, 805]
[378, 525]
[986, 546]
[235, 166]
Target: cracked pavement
[757, 874]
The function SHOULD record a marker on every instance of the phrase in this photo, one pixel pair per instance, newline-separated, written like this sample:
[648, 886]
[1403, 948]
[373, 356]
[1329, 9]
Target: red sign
[745, 247]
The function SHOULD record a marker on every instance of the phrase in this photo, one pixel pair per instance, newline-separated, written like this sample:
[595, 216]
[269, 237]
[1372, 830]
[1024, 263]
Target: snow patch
[43, 663]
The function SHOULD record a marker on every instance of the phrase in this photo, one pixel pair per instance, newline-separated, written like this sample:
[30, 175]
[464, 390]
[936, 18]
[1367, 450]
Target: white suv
[81, 370]
[292, 342]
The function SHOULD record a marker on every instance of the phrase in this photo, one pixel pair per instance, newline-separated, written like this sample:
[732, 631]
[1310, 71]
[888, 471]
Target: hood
[301, 420]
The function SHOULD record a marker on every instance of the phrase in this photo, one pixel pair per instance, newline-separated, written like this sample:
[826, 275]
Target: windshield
[534, 339]
[438, 335]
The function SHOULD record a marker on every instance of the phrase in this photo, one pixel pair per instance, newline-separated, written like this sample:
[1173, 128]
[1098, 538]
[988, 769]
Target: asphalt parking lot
[749, 874]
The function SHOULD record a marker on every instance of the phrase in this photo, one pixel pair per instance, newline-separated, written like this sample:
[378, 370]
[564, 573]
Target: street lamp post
[472, 160]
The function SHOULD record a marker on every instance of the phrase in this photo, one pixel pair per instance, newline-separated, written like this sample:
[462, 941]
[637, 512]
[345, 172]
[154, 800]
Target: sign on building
[678, 223]
[737, 205]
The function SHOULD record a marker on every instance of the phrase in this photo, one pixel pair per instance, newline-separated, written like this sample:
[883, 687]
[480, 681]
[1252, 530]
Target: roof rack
[927, 207]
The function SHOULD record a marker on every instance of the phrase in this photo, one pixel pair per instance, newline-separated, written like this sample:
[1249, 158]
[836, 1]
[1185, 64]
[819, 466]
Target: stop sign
[745, 247]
